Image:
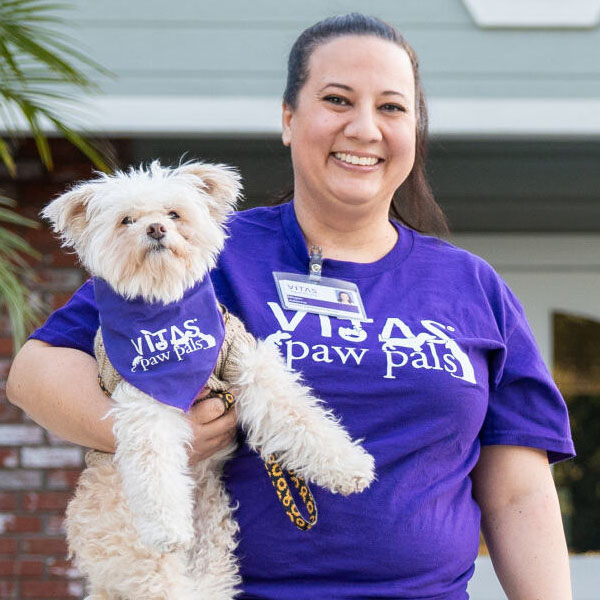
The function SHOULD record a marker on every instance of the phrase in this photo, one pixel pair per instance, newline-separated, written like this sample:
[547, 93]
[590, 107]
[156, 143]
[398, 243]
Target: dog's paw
[165, 540]
[358, 473]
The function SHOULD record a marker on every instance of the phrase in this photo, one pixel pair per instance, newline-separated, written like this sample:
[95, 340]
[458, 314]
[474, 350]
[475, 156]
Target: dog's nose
[156, 231]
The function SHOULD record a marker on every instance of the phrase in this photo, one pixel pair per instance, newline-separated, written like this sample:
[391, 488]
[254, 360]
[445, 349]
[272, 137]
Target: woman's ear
[286, 124]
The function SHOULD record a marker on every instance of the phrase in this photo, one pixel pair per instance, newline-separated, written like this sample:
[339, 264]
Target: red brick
[55, 440]
[19, 479]
[6, 346]
[21, 567]
[63, 568]
[8, 590]
[54, 525]
[5, 367]
[44, 458]
[51, 589]
[8, 546]
[45, 501]
[41, 238]
[60, 299]
[44, 546]
[9, 458]
[30, 211]
[61, 258]
[9, 413]
[5, 326]
[18, 524]
[62, 479]
[40, 192]
[15, 435]
[8, 501]
[60, 280]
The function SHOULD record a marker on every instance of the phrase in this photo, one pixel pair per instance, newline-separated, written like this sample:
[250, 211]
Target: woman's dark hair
[413, 203]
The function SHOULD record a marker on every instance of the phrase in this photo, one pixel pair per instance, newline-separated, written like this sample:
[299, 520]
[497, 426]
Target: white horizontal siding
[235, 47]
[269, 11]
[214, 59]
[192, 63]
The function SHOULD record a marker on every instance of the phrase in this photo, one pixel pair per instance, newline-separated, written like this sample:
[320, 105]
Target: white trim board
[534, 13]
[125, 116]
[542, 251]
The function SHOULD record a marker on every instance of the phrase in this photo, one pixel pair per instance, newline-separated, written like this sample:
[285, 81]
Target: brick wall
[38, 470]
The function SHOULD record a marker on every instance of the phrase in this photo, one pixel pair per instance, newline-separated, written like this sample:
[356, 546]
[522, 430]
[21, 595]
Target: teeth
[356, 160]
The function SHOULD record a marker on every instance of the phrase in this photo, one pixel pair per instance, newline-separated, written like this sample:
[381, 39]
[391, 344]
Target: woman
[442, 379]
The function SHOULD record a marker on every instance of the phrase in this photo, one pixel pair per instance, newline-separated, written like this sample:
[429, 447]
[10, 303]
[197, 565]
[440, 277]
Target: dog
[145, 523]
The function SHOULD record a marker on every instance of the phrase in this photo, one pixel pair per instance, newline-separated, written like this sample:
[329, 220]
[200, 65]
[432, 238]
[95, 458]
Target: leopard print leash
[277, 476]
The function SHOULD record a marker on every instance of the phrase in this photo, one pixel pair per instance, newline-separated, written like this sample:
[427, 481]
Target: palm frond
[23, 314]
[7, 158]
[9, 216]
[40, 66]
[42, 76]
[11, 245]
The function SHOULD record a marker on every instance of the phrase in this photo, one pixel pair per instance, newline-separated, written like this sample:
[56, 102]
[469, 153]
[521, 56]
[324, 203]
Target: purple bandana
[166, 351]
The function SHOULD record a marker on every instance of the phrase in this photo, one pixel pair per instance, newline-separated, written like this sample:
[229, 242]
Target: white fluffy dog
[147, 524]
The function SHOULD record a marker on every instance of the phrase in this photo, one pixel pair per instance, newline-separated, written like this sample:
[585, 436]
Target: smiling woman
[413, 202]
[352, 136]
[438, 373]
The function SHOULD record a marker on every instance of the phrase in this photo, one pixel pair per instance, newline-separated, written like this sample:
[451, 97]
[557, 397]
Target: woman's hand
[214, 429]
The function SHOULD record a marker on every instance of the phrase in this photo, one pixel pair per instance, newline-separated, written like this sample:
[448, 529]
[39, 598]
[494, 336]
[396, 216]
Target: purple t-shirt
[448, 363]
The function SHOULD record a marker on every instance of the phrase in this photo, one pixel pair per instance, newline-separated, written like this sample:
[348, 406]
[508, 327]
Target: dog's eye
[127, 221]
[173, 215]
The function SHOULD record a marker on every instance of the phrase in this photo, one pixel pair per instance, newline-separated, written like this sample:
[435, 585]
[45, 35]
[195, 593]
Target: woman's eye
[127, 221]
[338, 100]
[393, 108]
[173, 215]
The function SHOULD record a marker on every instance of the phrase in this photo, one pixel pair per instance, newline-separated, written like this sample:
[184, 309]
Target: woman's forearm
[58, 389]
[521, 523]
[527, 546]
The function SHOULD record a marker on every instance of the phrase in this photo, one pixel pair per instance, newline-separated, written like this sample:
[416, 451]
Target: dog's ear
[221, 182]
[67, 213]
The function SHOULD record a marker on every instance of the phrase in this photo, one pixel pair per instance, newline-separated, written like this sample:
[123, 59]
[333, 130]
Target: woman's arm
[58, 388]
[521, 522]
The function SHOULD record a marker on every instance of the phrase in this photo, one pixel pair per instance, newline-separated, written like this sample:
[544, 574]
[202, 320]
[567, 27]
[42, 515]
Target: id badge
[325, 296]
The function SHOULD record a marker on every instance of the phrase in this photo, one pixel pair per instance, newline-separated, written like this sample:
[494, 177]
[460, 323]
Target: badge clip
[315, 266]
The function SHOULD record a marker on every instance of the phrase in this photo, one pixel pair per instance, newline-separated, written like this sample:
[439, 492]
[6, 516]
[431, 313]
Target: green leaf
[7, 158]
[22, 314]
[40, 71]
[31, 112]
[11, 243]
[85, 146]
[6, 201]
[9, 216]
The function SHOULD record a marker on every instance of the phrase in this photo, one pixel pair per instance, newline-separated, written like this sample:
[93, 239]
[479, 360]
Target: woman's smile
[356, 159]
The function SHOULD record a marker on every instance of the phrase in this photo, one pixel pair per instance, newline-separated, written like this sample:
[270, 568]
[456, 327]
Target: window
[577, 374]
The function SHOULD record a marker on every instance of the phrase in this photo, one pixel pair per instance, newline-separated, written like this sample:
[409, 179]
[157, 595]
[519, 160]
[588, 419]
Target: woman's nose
[363, 125]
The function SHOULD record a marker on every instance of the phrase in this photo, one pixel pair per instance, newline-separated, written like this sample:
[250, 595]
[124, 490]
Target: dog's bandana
[166, 351]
